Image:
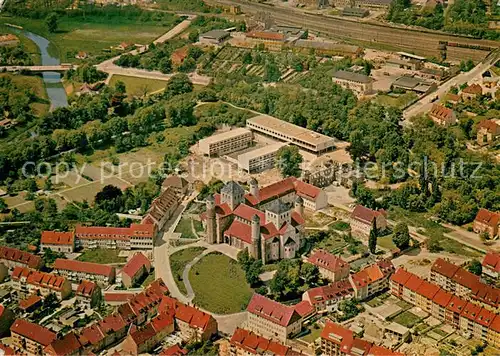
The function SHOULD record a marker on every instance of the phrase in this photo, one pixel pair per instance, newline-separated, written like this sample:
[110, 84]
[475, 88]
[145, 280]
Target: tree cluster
[15, 56]
[251, 267]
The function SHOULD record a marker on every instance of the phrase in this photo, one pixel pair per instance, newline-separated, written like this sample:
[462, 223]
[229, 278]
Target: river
[55, 91]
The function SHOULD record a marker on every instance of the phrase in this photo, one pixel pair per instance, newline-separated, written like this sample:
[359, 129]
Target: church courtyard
[219, 284]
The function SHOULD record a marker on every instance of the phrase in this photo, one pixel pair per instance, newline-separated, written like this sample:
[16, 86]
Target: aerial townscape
[250, 177]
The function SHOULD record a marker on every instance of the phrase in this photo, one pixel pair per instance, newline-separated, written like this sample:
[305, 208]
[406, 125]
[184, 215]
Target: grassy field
[178, 262]
[400, 101]
[185, 228]
[313, 335]
[227, 292]
[407, 319]
[92, 34]
[386, 242]
[138, 86]
[340, 225]
[102, 255]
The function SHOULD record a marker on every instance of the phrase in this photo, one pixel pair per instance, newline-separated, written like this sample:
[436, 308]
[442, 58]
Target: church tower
[254, 187]
[255, 249]
[211, 220]
[299, 206]
[232, 194]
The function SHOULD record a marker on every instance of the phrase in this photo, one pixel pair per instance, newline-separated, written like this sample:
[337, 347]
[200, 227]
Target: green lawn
[185, 228]
[93, 34]
[138, 86]
[102, 256]
[313, 335]
[340, 225]
[386, 242]
[399, 101]
[407, 319]
[178, 262]
[219, 284]
[149, 279]
[198, 226]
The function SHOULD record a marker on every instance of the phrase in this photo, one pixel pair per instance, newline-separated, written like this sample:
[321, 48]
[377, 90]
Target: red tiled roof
[427, 290]
[495, 325]
[376, 350]
[273, 311]
[34, 332]
[401, 276]
[68, 345]
[37, 278]
[466, 278]
[240, 230]
[304, 308]
[255, 344]
[337, 334]
[175, 350]
[86, 288]
[118, 297]
[490, 126]
[278, 189]
[135, 264]
[298, 218]
[485, 317]
[149, 331]
[492, 261]
[84, 267]
[371, 274]
[331, 291]
[456, 305]
[246, 212]
[444, 268]
[193, 316]
[162, 320]
[442, 113]
[414, 282]
[365, 215]
[7, 351]
[91, 335]
[57, 238]
[13, 254]
[487, 217]
[473, 89]
[327, 261]
[275, 36]
[116, 233]
[471, 311]
[29, 302]
[442, 298]
[486, 294]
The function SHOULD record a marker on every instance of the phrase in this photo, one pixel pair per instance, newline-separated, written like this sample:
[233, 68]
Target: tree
[109, 199]
[193, 36]
[3, 205]
[372, 240]
[47, 184]
[271, 72]
[51, 22]
[310, 274]
[475, 267]
[120, 87]
[401, 236]
[178, 84]
[165, 65]
[288, 161]
[253, 272]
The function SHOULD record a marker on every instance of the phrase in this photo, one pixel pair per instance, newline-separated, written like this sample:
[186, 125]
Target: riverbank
[29, 45]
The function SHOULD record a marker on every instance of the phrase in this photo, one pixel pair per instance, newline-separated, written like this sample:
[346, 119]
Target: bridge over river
[47, 68]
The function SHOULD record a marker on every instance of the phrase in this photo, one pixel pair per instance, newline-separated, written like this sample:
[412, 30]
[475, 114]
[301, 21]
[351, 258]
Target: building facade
[260, 159]
[162, 209]
[362, 220]
[325, 299]
[88, 295]
[30, 338]
[226, 142]
[13, 257]
[77, 271]
[488, 132]
[135, 269]
[486, 222]
[330, 266]
[137, 236]
[371, 280]
[57, 241]
[359, 83]
[27, 282]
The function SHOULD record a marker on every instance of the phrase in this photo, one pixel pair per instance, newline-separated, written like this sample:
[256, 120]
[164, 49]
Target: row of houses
[142, 322]
[469, 318]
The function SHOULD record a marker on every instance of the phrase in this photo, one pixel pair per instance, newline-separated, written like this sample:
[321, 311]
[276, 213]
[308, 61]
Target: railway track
[414, 40]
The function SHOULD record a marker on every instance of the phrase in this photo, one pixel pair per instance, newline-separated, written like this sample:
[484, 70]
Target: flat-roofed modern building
[284, 131]
[260, 159]
[359, 83]
[226, 142]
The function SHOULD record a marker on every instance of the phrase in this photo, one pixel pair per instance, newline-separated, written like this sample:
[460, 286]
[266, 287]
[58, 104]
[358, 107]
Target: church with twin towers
[268, 221]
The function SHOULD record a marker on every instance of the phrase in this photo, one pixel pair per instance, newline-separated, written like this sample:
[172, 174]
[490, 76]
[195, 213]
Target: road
[420, 41]
[424, 105]
[109, 67]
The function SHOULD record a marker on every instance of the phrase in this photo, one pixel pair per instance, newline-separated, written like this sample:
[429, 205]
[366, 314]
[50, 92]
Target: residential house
[105, 332]
[6, 320]
[305, 309]
[330, 266]
[425, 295]
[452, 98]
[472, 92]
[88, 294]
[272, 319]
[325, 299]
[372, 279]
[57, 241]
[442, 116]
[488, 132]
[359, 83]
[13, 257]
[337, 340]
[439, 303]
[245, 342]
[28, 281]
[68, 345]
[136, 268]
[31, 303]
[162, 209]
[487, 222]
[143, 339]
[30, 338]
[174, 350]
[491, 265]
[362, 220]
[194, 324]
[77, 271]
[137, 236]
[177, 183]
[124, 46]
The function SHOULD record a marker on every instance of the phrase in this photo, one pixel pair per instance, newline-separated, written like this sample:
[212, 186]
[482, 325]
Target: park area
[102, 256]
[185, 228]
[227, 292]
[178, 262]
[138, 86]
